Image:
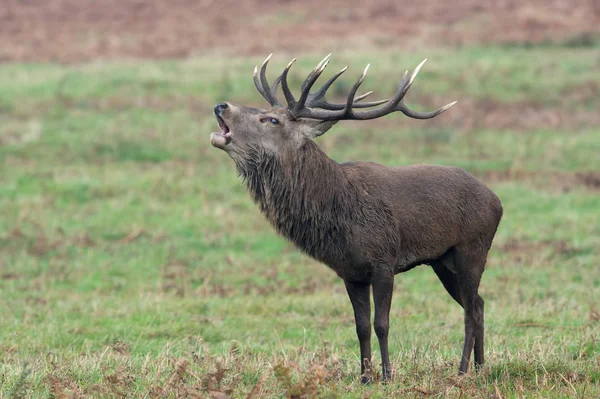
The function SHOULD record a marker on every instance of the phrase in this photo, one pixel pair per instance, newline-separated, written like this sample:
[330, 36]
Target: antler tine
[274, 87]
[403, 80]
[258, 85]
[363, 96]
[321, 92]
[400, 92]
[423, 115]
[310, 75]
[369, 104]
[265, 83]
[415, 72]
[289, 97]
[310, 81]
[350, 100]
[404, 86]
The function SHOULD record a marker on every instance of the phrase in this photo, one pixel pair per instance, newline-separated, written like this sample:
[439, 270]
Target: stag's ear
[315, 128]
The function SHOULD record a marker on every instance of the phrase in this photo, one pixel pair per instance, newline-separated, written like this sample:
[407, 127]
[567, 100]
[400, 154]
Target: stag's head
[249, 131]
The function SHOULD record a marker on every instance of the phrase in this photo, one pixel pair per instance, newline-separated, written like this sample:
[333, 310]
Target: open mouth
[222, 138]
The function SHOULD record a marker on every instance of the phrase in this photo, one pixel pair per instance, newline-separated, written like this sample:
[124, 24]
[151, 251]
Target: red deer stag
[365, 221]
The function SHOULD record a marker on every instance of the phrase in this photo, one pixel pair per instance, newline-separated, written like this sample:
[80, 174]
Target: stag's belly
[355, 255]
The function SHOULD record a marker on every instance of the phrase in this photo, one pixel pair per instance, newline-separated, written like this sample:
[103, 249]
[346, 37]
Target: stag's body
[361, 216]
[366, 221]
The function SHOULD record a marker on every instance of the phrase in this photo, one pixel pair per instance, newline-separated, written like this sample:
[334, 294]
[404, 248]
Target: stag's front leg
[359, 294]
[383, 286]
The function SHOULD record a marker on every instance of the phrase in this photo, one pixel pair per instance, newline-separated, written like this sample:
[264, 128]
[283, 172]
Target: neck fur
[304, 196]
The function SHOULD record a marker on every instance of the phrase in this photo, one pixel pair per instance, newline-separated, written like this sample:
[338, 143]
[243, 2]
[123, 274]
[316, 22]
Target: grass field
[134, 264]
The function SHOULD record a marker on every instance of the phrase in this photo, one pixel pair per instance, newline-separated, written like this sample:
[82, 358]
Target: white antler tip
[324, 60]
[290, 63]
[364, 74]
[266, 61]
[256, 70]
[322, 68]
[415, 72]
[447, 106]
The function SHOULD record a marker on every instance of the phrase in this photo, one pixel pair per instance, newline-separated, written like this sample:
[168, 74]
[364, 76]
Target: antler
[315, 106]
[316, 100]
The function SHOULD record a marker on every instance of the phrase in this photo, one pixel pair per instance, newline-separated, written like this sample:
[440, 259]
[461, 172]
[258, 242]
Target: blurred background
[68, 31]
[133, 262]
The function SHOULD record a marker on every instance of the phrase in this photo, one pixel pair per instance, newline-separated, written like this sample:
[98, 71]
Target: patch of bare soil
[78, 31]
[561, 182]
[38, 242]
[590, 180]
[526, 251]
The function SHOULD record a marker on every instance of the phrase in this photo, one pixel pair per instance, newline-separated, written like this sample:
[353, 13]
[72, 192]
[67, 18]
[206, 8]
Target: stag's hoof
[366, 380]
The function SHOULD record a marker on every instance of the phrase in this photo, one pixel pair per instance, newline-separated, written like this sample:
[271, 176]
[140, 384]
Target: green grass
[133, 263]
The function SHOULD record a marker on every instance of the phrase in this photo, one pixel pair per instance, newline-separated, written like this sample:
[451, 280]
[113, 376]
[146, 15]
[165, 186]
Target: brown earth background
[74, 31]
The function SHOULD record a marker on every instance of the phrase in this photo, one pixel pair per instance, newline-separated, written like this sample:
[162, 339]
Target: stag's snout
[219, 108]
[223, 138]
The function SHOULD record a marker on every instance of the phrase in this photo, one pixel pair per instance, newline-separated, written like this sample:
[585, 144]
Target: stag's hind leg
[383, 287]
[449, 279]
[469, 263]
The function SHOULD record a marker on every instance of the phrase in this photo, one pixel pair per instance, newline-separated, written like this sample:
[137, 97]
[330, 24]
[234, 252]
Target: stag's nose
[219, 108]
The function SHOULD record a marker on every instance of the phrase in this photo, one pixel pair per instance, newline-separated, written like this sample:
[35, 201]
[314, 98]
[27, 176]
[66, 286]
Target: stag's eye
[272, 121]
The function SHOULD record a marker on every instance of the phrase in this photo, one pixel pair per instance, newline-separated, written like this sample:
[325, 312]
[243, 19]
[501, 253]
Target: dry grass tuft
[299, 384]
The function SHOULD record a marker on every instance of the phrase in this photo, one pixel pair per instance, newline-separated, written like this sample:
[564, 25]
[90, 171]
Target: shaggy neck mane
[304, 196]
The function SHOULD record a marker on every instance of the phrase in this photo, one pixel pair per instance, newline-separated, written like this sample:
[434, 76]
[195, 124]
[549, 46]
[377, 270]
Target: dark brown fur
[369, 222]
